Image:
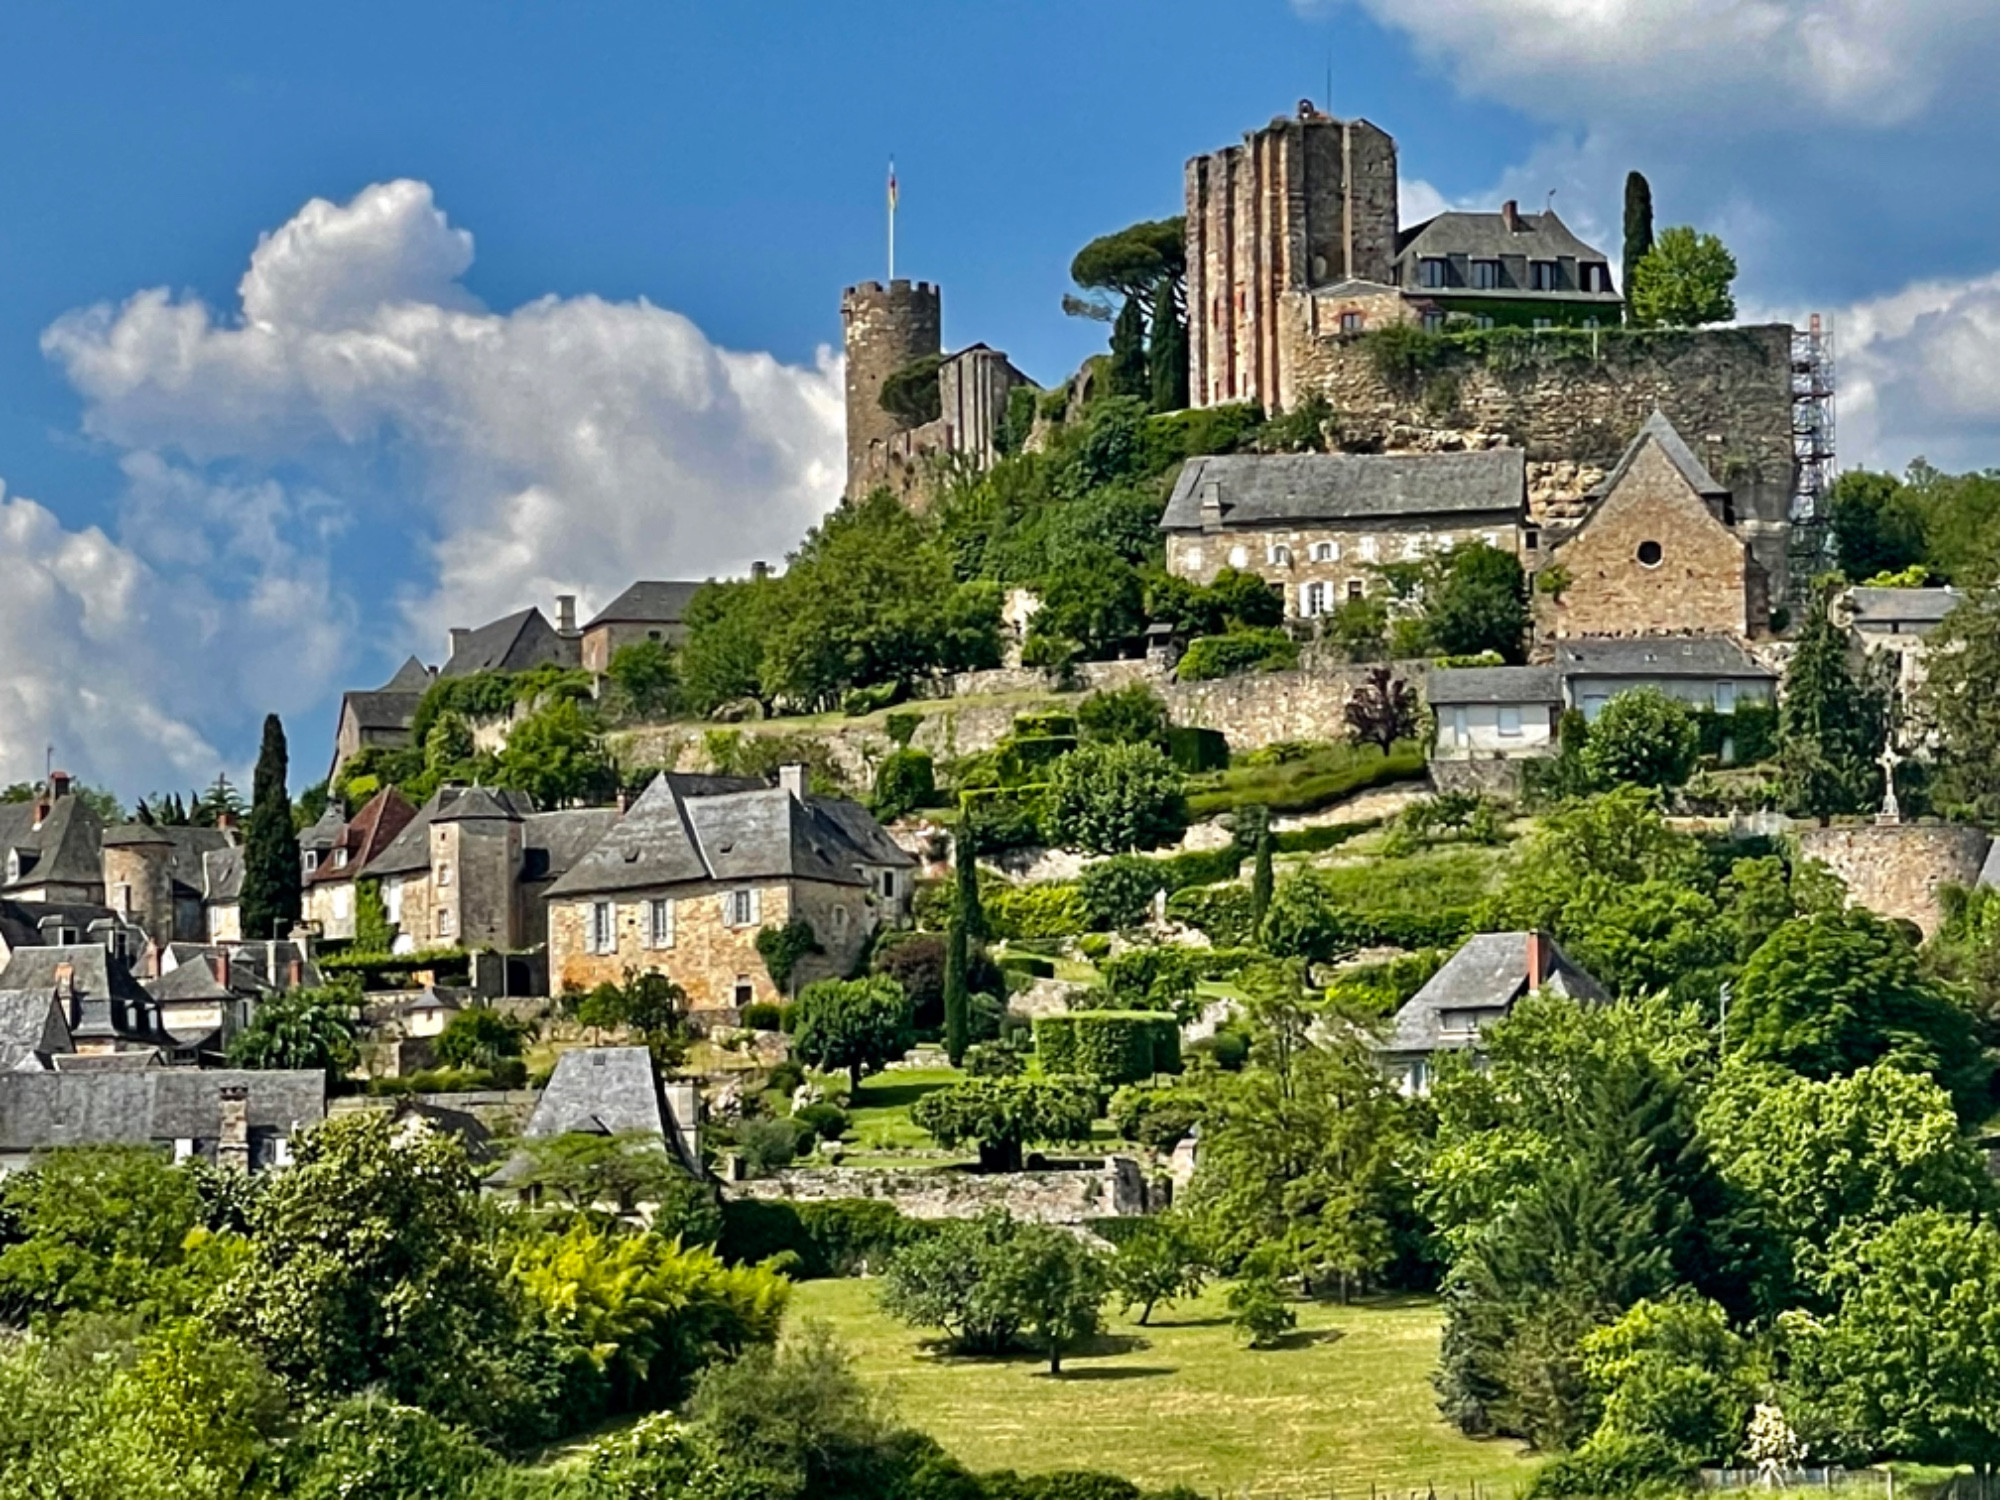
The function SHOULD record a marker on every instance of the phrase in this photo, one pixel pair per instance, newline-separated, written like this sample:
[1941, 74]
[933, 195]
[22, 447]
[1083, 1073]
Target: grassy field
[1346, 1406]
[879, 1116]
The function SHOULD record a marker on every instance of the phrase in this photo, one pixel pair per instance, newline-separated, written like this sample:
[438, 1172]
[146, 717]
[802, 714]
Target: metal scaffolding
[1813, 464]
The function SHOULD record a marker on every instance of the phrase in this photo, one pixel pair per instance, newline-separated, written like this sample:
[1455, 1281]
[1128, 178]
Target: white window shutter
[756, 907]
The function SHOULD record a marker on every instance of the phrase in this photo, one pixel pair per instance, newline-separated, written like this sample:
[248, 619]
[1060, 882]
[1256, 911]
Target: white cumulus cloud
[361, 453]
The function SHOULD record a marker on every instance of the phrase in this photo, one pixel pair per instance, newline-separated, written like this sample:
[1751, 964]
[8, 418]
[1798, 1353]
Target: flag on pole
[892, 218]
[892, 185]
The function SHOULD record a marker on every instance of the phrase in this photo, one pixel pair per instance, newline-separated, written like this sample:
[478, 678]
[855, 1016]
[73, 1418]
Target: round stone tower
[138, 878]
[886, 328]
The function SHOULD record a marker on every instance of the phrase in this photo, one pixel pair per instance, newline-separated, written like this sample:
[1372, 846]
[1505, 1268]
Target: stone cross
[1892, 811]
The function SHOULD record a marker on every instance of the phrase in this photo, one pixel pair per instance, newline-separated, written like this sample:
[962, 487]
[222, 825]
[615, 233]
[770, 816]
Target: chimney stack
[759, 571]
[793, 779]
[1510, 216]
[458, 635]
[59, 785]
[225, 822]
[295, 974]
[565, 614]
[218, 965]
[1538, 962]
[232, 1141]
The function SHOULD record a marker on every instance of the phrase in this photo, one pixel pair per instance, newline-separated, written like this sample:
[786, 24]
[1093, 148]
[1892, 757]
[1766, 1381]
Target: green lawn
[1345, 1407]
[879, 1116]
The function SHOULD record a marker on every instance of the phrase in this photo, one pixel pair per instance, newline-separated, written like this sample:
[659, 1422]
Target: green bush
[786, 1076]
[858, 703]
[1164, 978]
[1032, 965]
[1304, 783]
[761, 1015]
[1200, 867]
[905, 781]
[1154, 1117]
[1170, 438]
[1224, 912]
[832, 1238]
[1009, 817]
[1035, 911]
[1319, 840]
[1111, 1046]
[1228, 1048]
[1118, 891]
[827, 1121]
[902, 728]
[1197, 750]
[1211, 656]
[1094, 946]
[1751, 733]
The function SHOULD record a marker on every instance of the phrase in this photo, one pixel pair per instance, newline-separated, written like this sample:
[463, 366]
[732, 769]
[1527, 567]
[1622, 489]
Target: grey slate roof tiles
[124, 1107]
[1657, 429]
[64, 850]
[1657, 656]
[1484, 978]
[1306, 488]
[648, 602]
[1903, 606]
[1493, 685]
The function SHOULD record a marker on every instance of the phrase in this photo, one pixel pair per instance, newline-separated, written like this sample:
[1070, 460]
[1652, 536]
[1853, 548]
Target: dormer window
[1595, 275]
[1486, 275]
[312, 860]
[340, 859]
[1432, 273]
[1542, 275]
[13, 865]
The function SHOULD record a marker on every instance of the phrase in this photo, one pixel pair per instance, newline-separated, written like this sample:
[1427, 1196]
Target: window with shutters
[659, 923]
[739, 908]
[603, 929]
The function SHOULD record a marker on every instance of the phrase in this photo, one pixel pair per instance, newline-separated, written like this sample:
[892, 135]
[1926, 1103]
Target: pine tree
[270, 844]
[1638, 227]
[967, 922]
[1830, 727]
[1128, 375]
[1167, 354]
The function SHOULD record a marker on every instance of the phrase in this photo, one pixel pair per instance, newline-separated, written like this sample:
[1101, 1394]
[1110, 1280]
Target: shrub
[1163, 978]
[1197, 750]
[1154, 1117]
[827, 1121]
[858, 703]
[1032, 965]
[836, 1237]
[902, 728]
[1009, 817]
[905, 781]
[1111, 1046]
[1001, 1115]
[769, 1146]
[1131, 715]
[1211, 656]
[1224, 912]
[1319, 840]
[1200, 867]
[1305, 784]
[1094, 946]
[1228, 1048]
[786, 1076]
[762, 1015]
[782, 948]
[1112, 799]
[1257, 1307]
[1117, 892]
[1035, 911]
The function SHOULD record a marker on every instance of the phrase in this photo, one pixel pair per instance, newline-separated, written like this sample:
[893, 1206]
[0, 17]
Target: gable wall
[1701, 586]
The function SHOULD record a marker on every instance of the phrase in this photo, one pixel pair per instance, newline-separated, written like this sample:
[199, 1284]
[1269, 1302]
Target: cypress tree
[963, 927]
[1830, 727]
[1638, 229]
[1167, 354]
[1261, 878]
[270, 844]
[1128, 375]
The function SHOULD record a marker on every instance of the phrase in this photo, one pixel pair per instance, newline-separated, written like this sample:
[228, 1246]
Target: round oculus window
[1649, 554]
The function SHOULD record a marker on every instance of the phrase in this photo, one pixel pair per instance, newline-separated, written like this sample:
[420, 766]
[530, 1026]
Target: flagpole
[892, 218]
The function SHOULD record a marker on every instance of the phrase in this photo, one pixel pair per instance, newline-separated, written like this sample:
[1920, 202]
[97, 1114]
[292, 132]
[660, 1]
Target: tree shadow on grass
[1113, 1372]
[878, 1095]
[1172, 1322]
[1098, 1346]
[1306, 1338]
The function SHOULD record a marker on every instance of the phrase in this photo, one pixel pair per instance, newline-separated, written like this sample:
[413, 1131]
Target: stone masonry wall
[1896, 869]
[1116, 1190]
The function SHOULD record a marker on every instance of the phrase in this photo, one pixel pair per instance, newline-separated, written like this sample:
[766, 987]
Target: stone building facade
[1659, 553]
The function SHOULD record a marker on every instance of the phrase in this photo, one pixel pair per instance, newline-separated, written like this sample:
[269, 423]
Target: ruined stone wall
[1115, 1190]
[1897, 869]
[885, 328]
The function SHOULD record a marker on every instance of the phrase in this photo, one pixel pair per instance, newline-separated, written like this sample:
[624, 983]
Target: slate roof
[410, 850]
[1488, 974]
[21, 921]
[1485, 236]
[120, 1107]
[669, 838]
[411, 677]
[33, 1029]
[92, 971]
[1304, 488]
[1658, 656]
[189, 981]
[222, 875]
[602, 1091]
[521, 640]
[552, 842]
[65, 850]
[325, 833]
[383, 709]
[1903, 606]
[1493, 685]
[648, 602]
[203, 863]
[1657, 429]
[363, 836]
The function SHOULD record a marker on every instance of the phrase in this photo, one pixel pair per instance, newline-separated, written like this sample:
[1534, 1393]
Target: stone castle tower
[886, 328]
[1308, 201]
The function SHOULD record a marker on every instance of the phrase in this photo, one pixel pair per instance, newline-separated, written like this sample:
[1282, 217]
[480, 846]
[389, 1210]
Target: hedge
[1034, 911]
[1009, 817]
[1308, 789]
[1212, 656]
[832, 1238]
[1118, 891]
[1196, 750]
[1200, 867]
[1318, 840]
[1031, 964]
[1161, 978]
[1111, 1046]
[1221, 911]
[905, 781]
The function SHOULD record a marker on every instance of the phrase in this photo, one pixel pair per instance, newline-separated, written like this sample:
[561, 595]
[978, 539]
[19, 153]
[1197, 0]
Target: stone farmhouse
[647, 611]
[381, 718]
[1477, 988]
[686, 880]
[49, 847]
[1315, 526]
[334, 851]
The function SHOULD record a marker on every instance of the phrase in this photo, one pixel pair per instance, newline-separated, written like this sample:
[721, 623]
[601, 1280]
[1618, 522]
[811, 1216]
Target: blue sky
[562, 312]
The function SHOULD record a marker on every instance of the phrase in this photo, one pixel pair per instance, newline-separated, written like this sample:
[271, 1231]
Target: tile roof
[648, 602]
[65, 849]
[1493, 685]
[670, 838]
[1487, 975]
[119, 1107]
[33, 1029]
[1657, 656]
[363, 836]
[1657, 429]
[1302, 488]
[1903, 606]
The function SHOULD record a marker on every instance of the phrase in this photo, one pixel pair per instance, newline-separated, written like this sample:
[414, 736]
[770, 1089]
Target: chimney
[295, 974]
[565, 614]
[624, 799]
[218, 965]
[1538, 961]
[1510, 216]
[232, 1141]
[458, 635]
[759, 571]
[793, 779]
[225, 822]
[66, 981]
[59, 785]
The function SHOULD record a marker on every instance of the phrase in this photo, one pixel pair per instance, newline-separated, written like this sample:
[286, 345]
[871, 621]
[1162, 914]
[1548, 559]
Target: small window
[1352, 322]
[1434, 321]
[1650, 554]
[1544, 323]
[659, 923]
[1281, 555]
[1725, 697]
[1596, 276]
[1531, 539]
[888, 885]
[745, 992]
[1543, 275]
[1239, 557]
[1486, 275]
[740, 908]
[444, 921]
[1367, 549]
[603, 931]
[1492, 539]
[1433, 272]
[1326, 552]
[1510, 721]
[1354, 588]
[444, 874]
[652, 635]
[1444, 541]
[1312, 600]
[1460, 735]
[340, 859]
[1413, 547]
[1191, 559]
[312, 860]
[840, 921]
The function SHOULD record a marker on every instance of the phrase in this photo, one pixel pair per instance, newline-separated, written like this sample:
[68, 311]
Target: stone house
[334, 857]
[1494, 713]
[1476, 989]
[1704, 672]
[380, 719]
[516, 643]
[179, 884]
[1316, 525]
[618, 1093]
[684, 883]
[1528, 270]
[49, 847]
[106, 1009]
[1894, 625]
[647, 611]
[1659, 552]
[472, 867]
[235, 1118]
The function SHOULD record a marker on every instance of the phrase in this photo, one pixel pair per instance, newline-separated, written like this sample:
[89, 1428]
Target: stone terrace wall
[1896, 869]
[1116, 1190]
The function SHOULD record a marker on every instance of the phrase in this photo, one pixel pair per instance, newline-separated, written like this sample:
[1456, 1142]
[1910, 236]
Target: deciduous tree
[1113, 799]
[856, 1025]
[1383, 710]
[1684, 280]
[1642, 738]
